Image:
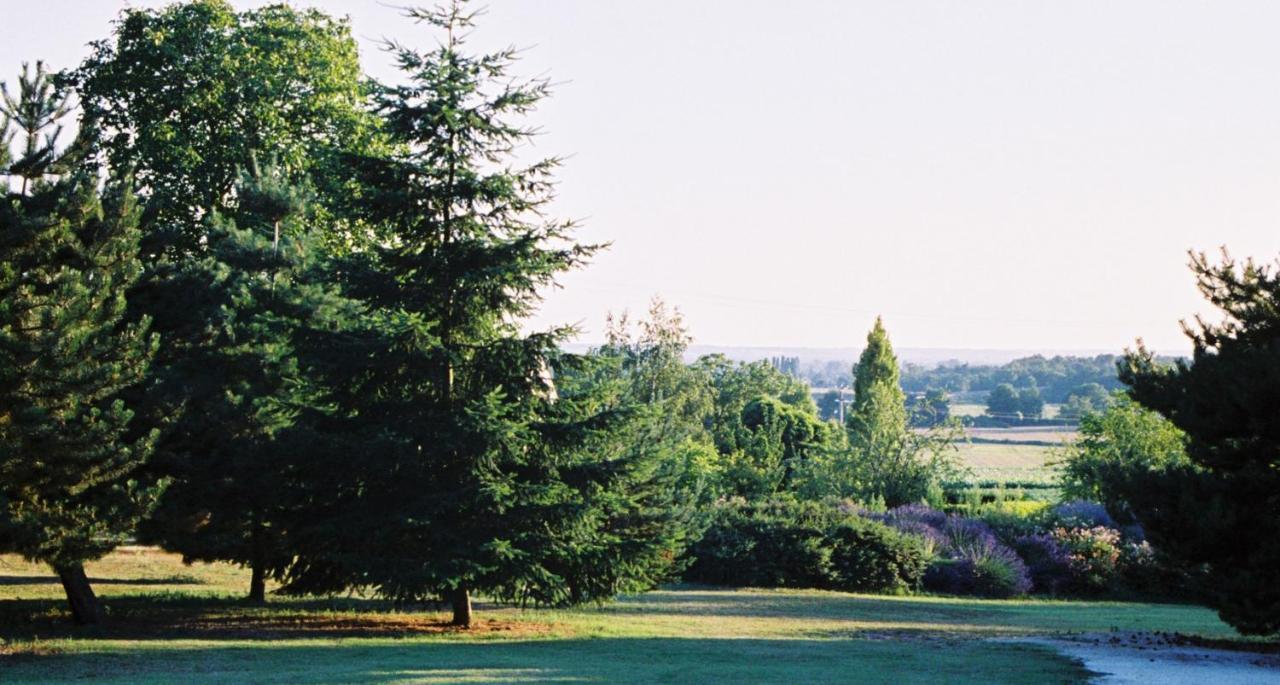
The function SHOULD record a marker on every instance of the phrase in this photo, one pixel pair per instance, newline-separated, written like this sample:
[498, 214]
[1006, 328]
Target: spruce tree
[463, 468]
[67, 456]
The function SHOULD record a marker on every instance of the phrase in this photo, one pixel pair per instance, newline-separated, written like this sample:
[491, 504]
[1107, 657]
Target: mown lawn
[172, 623]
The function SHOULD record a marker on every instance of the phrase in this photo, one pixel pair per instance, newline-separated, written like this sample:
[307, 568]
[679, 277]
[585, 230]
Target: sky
[996, 175]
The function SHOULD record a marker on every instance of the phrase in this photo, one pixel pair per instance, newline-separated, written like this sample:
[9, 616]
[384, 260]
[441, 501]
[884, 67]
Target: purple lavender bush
[1048, 562]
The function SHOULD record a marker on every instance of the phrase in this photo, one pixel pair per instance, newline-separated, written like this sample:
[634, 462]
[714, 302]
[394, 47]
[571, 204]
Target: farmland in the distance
[1013, 454]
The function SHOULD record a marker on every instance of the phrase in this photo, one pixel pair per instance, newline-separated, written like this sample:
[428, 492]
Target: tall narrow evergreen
[885, 459]
[468, 471]
[878, 401]
[67, 458]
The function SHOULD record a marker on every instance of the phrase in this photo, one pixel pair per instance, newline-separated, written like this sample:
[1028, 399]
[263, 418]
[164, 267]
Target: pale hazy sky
[984, 174]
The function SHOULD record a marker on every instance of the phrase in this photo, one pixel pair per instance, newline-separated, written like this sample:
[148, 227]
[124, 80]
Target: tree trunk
[461, 601]
[257, 566]
[85, 609]
[257, 585]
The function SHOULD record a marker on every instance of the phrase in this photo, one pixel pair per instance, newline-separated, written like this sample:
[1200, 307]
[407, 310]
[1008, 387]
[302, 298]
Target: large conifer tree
[1220, 507]
[67, 457]
[230, 456]
[463, 469]
[185, 96]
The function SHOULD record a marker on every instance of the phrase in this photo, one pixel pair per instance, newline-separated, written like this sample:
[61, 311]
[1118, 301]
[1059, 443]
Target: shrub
[867, 556]
[1094, 555]
[1011, 521]
[772, 545]
[996, 577]
[1081, 514]
[798, 544]
[1048, 562]
[914, 513]
[980, 564]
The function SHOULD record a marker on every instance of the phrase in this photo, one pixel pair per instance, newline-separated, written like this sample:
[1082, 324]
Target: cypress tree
[67, 457]
[885, 459]
[879, 404]
[462, 468]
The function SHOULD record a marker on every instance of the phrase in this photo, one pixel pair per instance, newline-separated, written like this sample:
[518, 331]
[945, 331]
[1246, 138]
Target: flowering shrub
[997, 576]
[1048, 561]
[918, 520]
[1094, 555]
[1071, 548]
[914, 514]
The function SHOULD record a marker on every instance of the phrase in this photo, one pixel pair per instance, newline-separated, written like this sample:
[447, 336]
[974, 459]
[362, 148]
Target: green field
[1008, 461]
[173, 623]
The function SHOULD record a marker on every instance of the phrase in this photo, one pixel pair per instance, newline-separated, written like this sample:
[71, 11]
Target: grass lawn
[173, 623]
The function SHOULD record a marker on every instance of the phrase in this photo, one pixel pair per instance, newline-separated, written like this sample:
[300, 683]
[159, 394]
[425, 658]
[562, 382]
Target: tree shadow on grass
[178, 616]
[53, 580]
[821, 616]
[618, 660]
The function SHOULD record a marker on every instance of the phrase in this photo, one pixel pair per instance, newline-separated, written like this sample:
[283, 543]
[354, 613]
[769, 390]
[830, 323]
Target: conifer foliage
[879, 406]
[886, 460]
[468, 470]
[67, 455]
[242, 381]
[1219, 507]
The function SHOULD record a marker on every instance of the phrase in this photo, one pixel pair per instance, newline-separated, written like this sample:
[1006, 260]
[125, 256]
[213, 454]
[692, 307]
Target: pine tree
[463, 469]
[242, 382]
[34, 111]
[1218, 508]
[67, 456]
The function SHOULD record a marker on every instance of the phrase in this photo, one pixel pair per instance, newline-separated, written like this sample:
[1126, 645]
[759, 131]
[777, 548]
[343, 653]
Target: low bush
[1080, 514]
[1011, 521]
[867, 556]
[1094, 556]
[1009, 549]
[771, 545]
[994, 577]
[793, 544]
[1048, 562]
[971, 560]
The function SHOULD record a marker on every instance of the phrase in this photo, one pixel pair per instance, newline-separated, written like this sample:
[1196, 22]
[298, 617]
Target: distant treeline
[1056, 377]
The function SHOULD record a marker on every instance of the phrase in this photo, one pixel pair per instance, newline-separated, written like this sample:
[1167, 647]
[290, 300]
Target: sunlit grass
[195, 630]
